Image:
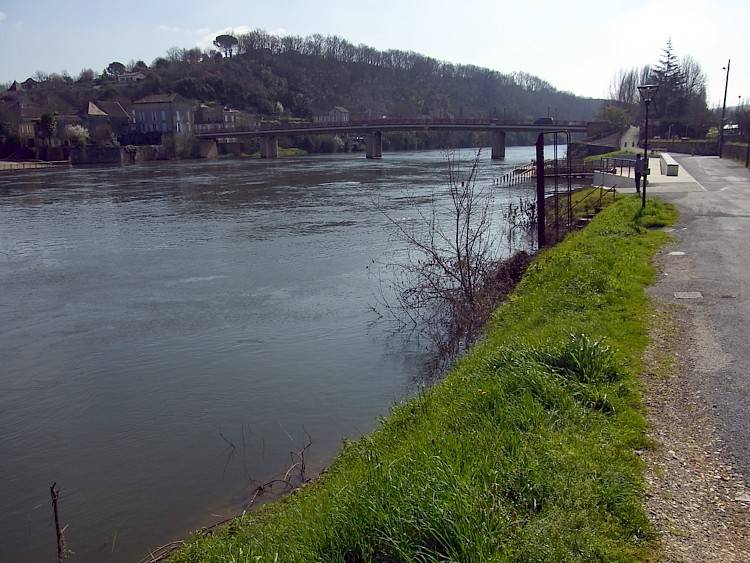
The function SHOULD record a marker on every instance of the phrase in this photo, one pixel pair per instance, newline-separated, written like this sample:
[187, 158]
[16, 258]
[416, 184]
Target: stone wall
[96, 155]
[700, 148]
[582, 150]
[737, 151]
[144, 153]
[612, 180]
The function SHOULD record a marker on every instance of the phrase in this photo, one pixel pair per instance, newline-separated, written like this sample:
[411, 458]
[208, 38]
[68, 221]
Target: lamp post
[647, 91]
[724, 108]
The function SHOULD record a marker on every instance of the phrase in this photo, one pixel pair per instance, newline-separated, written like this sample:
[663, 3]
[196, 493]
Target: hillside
[309, 76]
[282, 77]
[305, 75]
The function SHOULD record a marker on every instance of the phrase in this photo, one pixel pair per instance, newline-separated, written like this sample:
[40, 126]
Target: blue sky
[575, 45]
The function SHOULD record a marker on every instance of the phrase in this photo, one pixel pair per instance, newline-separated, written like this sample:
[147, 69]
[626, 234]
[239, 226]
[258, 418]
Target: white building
[336, 114]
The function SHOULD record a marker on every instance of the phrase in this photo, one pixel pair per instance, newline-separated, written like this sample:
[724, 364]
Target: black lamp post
[647, 91]
[741, 106]
[724, 109]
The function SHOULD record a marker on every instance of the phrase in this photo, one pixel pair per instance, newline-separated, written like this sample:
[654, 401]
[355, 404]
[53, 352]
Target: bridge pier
[270, 147]
[498, 145]
[208, 148]
[375, 145]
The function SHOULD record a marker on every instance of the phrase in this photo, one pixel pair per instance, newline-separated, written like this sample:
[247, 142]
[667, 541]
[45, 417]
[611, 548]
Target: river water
[171, 331]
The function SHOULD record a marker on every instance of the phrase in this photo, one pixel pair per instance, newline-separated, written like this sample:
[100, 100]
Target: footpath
[698, 367]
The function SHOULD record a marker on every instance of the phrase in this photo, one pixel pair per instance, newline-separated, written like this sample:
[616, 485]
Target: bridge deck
[385, 125]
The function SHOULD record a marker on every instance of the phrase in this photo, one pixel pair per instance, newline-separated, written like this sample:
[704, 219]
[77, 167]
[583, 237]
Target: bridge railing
[374, 122]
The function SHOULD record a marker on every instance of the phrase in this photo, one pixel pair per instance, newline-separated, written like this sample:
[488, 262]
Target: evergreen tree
[670, 99]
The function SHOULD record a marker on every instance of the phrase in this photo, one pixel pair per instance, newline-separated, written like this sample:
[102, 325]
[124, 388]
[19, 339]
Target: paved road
[714, 234]
[629, 139]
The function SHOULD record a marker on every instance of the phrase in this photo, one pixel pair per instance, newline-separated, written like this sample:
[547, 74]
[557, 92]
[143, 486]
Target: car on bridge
[544, 121]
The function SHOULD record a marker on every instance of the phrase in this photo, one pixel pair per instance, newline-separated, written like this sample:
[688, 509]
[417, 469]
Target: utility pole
[724, 110]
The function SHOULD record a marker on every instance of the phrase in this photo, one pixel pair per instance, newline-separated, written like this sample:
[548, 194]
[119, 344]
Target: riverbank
[30, 165]
[527, 449]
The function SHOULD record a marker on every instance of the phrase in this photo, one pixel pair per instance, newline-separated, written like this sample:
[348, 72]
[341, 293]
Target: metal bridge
[374, 129]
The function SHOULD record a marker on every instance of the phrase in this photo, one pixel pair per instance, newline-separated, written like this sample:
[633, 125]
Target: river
[171, 331]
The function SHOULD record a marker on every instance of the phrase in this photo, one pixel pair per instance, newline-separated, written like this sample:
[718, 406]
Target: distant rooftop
[113, 109]
[93, 109]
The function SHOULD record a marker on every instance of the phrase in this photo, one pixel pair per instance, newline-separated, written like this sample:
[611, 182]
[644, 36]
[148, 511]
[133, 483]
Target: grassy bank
[623, 153]
[526, 451]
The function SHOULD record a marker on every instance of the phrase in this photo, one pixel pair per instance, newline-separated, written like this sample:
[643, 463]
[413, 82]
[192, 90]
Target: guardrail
[615, 165]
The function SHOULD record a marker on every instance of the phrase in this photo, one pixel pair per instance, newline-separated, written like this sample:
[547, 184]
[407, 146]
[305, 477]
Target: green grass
[623, 153]
[525, 452]
[585, 201]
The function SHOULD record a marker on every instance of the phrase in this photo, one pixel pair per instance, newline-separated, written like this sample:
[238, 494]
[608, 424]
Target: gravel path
[696, 499]
[697, 372]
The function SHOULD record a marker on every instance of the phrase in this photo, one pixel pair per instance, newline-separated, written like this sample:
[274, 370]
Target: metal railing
[552, 170]
[614, 165]
[386, 121]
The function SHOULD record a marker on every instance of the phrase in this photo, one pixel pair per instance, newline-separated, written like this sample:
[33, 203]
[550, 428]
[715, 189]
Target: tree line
[679, 107]
[298, 76]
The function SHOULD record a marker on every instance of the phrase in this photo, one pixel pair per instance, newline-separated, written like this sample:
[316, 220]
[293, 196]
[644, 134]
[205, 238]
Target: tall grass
[525, 452]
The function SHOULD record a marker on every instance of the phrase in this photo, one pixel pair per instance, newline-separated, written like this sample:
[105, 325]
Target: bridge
[374, 129]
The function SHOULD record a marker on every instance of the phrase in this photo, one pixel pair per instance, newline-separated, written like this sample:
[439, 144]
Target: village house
[20, 117]
[336, 114]
[165, 113]
[30, 84]
[110, 114]
[130, 76]
[214, 116]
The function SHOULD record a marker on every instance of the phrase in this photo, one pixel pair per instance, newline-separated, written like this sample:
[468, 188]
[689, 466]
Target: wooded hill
[271, 74]
[308, 75]
[299, 76]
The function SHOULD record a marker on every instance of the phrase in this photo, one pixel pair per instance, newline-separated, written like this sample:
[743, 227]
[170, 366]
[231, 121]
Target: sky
[577, 46]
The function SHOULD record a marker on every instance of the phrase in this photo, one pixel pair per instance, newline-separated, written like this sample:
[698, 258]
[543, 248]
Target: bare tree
[645, 75]
[694, 77]
[624, 86]
[451, 277]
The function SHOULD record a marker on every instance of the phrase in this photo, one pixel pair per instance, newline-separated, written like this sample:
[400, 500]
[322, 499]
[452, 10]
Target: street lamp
[647, 91]
[724, 108]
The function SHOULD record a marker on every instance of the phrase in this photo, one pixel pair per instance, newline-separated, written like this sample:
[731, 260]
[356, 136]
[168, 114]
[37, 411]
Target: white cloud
[3, 16]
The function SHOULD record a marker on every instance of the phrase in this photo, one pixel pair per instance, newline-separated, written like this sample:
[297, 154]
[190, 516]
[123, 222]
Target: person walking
[638, 173]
